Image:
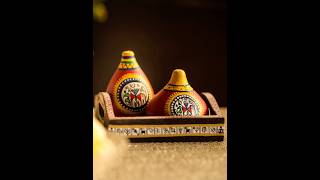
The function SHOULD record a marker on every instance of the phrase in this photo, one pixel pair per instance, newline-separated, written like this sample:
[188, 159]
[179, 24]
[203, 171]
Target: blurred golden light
[100, 13]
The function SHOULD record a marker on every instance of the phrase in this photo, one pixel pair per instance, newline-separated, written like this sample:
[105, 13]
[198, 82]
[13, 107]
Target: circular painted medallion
[183, 105]
[131, 94]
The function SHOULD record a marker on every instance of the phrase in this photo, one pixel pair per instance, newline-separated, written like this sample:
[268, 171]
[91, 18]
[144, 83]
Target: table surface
[168, 161]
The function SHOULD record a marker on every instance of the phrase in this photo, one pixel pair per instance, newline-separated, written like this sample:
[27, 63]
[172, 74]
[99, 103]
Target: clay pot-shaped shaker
[129, 87]
[177, 98]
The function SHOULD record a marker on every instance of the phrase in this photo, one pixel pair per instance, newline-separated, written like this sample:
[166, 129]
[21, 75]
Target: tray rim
[103, 99]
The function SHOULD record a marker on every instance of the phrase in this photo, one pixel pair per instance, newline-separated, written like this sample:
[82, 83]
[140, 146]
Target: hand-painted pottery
[129, 87]
[177, 98]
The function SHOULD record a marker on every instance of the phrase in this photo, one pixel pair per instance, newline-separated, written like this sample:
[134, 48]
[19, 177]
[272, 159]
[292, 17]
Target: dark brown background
[165, 35]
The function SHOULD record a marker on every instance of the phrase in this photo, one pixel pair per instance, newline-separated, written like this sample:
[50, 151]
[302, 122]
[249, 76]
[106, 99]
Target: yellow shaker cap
[128, 53]
[178, 77]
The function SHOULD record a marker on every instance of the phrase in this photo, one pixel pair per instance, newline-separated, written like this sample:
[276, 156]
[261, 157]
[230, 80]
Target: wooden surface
[172, 161]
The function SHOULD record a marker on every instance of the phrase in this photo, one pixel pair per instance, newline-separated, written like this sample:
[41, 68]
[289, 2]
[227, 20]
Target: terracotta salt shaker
[177, 98]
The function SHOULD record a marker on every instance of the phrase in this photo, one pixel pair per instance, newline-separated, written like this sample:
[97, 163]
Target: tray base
[178, 139]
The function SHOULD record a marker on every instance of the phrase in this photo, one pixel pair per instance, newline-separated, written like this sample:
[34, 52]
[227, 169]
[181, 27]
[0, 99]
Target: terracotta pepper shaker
[177, 98]
[129, 87]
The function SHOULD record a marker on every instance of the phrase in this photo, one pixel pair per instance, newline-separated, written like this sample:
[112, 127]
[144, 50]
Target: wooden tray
[163, 128]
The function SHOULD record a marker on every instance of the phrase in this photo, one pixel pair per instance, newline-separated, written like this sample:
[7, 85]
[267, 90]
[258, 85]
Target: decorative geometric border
[172, 97]
[172, 87]
[123, 108]
[128, 64]
[168, 130]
